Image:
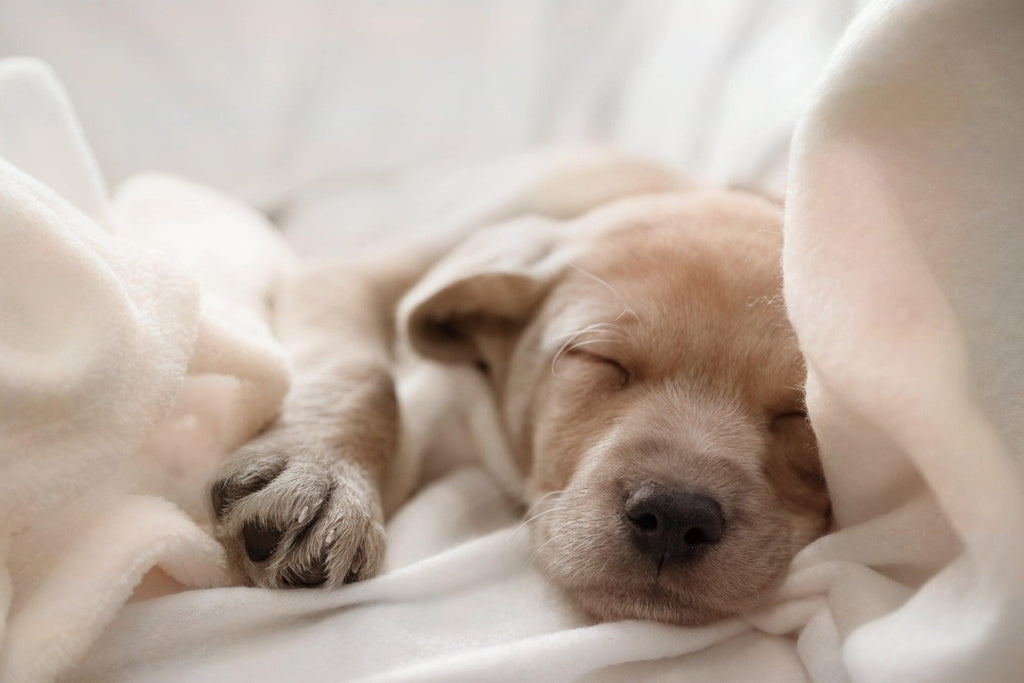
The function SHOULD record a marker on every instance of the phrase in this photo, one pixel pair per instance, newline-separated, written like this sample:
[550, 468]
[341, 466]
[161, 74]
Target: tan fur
[645, 341]
[685, 294]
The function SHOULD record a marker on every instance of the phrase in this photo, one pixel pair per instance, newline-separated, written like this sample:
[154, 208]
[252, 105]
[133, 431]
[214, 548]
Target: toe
[256, 476]
[260, 541]
[305, 577]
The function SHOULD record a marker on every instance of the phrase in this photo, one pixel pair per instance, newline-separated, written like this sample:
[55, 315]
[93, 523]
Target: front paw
[289, 517]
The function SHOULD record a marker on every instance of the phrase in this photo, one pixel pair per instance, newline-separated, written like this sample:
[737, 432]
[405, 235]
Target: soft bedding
[122, 381]
[902, 261]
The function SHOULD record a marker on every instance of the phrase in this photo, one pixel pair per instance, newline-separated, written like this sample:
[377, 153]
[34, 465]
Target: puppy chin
[615, 602]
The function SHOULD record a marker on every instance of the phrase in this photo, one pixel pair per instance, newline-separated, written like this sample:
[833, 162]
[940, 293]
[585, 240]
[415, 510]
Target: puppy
[628, 371]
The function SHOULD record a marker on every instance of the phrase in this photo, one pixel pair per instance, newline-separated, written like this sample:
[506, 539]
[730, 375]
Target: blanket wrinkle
[44, 139]
[101, 337]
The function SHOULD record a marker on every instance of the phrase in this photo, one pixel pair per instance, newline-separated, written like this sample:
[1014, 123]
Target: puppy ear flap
[491, 285]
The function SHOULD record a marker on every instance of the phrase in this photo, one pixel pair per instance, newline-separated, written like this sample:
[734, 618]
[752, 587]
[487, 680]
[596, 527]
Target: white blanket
[121, 381]
[901, 260]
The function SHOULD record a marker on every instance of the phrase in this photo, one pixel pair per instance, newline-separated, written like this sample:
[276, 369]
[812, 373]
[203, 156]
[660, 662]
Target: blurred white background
[322, 112]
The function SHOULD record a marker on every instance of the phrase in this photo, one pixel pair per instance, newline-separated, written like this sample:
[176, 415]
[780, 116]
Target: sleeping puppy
[623, 364]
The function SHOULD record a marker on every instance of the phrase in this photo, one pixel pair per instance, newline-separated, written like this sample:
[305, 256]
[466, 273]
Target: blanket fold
[902, 262]
[101, 339]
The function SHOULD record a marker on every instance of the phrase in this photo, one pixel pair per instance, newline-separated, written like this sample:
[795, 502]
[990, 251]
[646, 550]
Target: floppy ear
[486, 289]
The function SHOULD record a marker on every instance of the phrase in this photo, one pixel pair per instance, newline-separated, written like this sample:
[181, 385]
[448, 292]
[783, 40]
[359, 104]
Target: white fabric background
[319, 110]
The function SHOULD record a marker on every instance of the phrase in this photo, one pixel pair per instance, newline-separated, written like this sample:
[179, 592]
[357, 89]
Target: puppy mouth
[635, 587]
[646, 600]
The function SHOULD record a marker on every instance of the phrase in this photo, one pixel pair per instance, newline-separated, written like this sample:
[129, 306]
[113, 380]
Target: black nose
[672, 523]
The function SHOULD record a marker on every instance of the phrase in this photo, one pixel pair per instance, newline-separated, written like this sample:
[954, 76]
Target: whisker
[552, 537]
[528, 519]
[523, 525]
[543, 498]
[601, 281]
[539, 515]
[589, 328]
[569, 349]
[589, 341]
[610, 288]
[565, 346]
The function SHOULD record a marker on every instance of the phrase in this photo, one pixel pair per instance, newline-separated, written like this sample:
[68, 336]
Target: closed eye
[782, 420]
[624, 374]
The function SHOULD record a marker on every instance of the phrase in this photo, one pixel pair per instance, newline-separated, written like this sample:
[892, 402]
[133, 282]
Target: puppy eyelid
[781, 417]
[627, 376]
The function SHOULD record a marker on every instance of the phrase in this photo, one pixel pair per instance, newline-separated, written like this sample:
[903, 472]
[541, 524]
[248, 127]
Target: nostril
[703, 521]
[697, 536]
[645, 521]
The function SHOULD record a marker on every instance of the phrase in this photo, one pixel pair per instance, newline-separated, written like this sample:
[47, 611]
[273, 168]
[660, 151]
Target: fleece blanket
[121, 380]
[903, 257]
[901, 262]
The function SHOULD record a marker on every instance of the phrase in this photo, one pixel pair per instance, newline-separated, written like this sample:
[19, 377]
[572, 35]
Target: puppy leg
[300, 505]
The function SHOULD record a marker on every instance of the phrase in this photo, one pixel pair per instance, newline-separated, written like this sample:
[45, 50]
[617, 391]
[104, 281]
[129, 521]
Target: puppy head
[650, 388]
